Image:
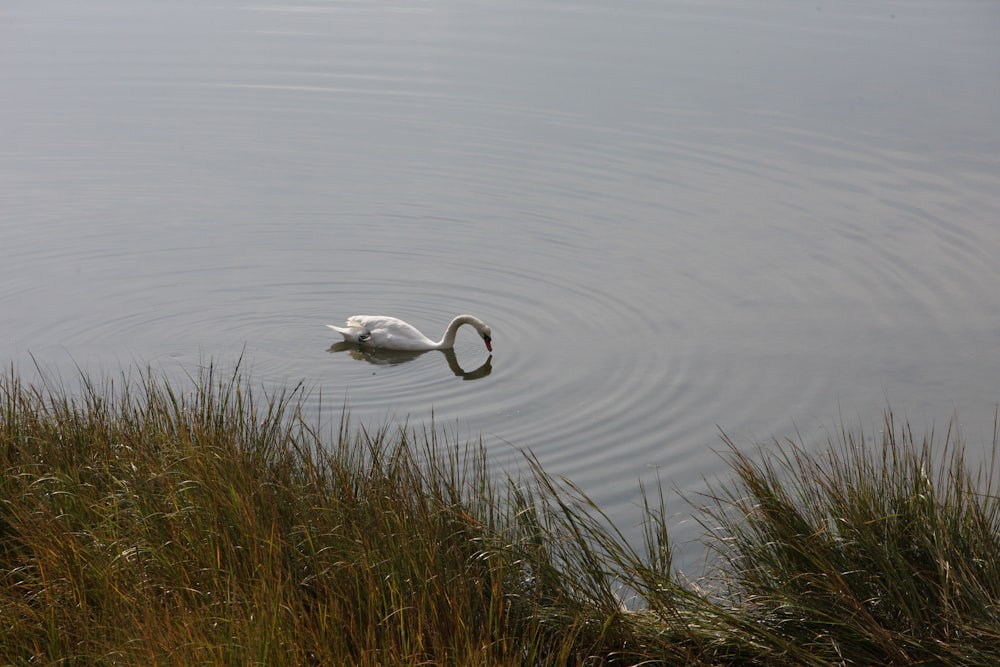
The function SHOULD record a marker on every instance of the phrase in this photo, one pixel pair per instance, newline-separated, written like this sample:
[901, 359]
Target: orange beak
[489, 343]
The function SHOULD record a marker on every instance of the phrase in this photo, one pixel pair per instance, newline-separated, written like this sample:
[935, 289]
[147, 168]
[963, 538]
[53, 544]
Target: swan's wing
[376, 330]
[385, 332]
[377, 322]
[391, 333]
[362, 321]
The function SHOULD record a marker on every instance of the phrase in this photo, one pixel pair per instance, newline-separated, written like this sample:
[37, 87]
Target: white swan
[390, 333]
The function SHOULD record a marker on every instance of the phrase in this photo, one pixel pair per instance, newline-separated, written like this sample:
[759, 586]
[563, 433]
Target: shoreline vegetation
[141, 524]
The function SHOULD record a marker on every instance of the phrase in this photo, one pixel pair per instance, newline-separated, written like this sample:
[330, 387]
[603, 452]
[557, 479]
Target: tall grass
[140, 524]
[876, 551]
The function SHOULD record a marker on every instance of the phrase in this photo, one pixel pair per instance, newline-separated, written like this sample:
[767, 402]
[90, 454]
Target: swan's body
[390, 333]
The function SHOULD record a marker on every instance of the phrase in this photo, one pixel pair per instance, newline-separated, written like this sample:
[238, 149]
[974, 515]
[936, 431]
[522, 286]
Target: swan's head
[487, 335]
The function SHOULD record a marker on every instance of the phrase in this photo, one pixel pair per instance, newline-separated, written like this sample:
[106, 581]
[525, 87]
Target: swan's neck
[448, 341]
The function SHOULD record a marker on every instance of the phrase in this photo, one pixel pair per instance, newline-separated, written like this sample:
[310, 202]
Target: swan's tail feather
[351, 333]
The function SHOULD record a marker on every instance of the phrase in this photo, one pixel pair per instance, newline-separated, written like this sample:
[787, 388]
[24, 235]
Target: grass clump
[875, 551]
[142, 525]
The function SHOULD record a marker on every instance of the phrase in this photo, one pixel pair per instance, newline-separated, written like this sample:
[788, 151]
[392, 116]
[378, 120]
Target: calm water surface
[676, 216]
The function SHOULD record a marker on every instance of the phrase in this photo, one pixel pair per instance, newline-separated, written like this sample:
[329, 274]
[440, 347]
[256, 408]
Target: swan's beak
[489, 343]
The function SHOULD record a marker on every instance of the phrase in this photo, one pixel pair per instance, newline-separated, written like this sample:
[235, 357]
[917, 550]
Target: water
[676, 217]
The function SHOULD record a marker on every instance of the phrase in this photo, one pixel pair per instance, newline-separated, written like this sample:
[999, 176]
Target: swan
[390, 333]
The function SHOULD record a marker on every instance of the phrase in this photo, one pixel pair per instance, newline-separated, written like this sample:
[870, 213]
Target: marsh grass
[876, 551]
[140, 524]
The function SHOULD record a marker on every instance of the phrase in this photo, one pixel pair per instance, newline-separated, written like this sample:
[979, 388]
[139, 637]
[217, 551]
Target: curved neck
[449, 334]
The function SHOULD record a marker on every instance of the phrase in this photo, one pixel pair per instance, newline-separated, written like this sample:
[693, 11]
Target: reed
[144, 524]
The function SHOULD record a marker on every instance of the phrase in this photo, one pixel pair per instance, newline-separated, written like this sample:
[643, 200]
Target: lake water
[676, 216]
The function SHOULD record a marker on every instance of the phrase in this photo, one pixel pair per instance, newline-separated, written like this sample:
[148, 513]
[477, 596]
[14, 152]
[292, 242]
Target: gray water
[764, 217]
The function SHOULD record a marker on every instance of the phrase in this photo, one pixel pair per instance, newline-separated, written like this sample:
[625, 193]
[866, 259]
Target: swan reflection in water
[381, 357]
